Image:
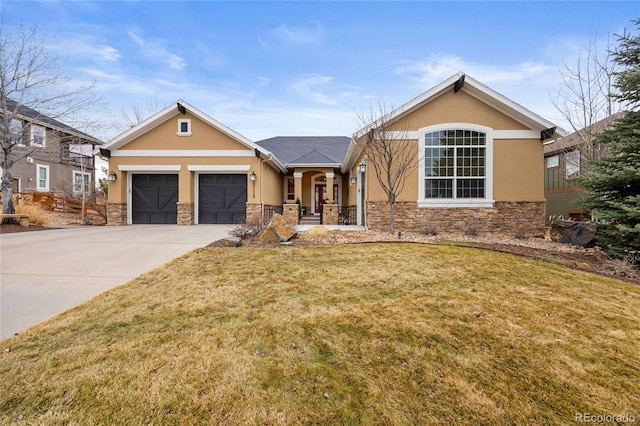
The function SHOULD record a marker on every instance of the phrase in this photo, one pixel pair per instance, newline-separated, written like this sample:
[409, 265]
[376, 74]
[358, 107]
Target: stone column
[185, 214]
[116, 213]
[290, 213]
[254, 213]
[330, 214]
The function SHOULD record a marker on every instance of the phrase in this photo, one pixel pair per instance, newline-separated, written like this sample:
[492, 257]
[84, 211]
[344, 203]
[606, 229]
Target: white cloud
[321, 89]
[308, 88]
[154, 48]
[299, 35]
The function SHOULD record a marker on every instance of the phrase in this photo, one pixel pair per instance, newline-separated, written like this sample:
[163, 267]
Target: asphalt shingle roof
[318, 150]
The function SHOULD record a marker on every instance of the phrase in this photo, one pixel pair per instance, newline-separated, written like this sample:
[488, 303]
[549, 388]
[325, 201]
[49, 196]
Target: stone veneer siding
[330, 214]
[521, 218]
[116, 213]
[291, 213]
[185, 214]
[254, 213]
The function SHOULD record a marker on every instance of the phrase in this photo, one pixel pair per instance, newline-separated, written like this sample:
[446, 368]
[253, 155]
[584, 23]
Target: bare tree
[31, 78]
[137, 115]
[585, 97]
[387, 148]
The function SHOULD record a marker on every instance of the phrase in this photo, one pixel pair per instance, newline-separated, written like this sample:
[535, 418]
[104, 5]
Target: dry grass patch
[37, 215]
[353, 334]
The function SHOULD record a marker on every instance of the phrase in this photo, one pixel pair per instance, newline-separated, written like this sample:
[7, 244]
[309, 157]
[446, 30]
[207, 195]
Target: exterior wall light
[252, 177]
[354, 180]
[111, 177]
[362, 166]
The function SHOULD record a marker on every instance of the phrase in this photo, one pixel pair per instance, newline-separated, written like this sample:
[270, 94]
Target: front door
[320, 195]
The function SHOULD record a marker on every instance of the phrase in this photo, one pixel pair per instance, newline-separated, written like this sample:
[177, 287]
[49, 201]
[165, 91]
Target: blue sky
[306, 68]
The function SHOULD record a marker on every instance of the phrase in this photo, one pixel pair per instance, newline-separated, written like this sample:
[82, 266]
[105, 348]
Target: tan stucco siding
[271, 189]
[517, 174]
[518, 170]
[456, 108]
[165, 137]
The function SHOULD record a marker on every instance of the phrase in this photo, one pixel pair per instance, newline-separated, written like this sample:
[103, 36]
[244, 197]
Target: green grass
[353, 334]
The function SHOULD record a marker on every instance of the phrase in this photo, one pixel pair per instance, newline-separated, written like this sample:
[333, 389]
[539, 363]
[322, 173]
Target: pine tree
[613, 184]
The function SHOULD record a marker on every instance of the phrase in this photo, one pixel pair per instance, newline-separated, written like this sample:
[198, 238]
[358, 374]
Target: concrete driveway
[44, 273]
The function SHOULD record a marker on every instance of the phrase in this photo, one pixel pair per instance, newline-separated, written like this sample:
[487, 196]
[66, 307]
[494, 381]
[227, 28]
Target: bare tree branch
[387, 149]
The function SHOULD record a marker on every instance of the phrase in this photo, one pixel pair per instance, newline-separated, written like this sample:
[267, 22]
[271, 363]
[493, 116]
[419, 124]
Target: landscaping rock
[277, 231]
[576, 233]
[232, 242]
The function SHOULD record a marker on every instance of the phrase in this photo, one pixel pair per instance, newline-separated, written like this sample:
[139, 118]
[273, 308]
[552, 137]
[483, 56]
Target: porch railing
[269, 211]
[347, 215]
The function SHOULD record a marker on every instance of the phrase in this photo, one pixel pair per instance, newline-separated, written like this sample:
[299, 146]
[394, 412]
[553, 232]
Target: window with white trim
[455, 164]
[184, 127]
[290, 188]
[38, 136]
[572, 166]
[553, 161]
[81, 182]
[42, 177]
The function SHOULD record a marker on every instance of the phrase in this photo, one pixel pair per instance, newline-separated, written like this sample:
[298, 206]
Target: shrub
[429, 230]
[471, 231]
[521, 234]
[37, 215]
[246, 230]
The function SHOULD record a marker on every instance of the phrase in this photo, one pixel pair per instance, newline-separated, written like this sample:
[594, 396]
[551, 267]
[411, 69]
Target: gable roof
[576, 138]
[173, 110]
[23, 112]
[306, 151]
[471, 87]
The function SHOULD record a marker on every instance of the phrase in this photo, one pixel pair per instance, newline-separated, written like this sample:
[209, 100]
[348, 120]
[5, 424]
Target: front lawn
[348, 334]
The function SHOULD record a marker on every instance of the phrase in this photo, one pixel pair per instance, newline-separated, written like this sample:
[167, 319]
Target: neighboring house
[53, 157]
[565, 160]
[480, 158]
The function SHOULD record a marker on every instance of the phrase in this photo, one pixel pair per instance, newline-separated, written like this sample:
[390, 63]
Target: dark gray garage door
[154, 198]
[222, 199]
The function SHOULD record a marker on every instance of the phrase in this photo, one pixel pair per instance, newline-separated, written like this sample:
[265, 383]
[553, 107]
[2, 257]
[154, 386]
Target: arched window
[456, 166]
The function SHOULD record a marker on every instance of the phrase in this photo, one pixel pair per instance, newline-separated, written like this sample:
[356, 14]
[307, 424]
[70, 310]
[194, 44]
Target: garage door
[222, 199]
[154, 198]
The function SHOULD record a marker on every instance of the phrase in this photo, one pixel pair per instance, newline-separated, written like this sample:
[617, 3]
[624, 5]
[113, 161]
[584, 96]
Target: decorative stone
[232, 242]
[576, 233]
[277, 231]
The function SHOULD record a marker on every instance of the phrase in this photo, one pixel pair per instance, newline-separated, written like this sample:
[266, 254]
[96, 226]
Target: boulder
[277, 231]
[576, 233]
[232, 242]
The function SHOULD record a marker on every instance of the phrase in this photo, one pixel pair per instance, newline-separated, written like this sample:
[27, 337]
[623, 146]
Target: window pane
[470, 188]
[573, 163]
[438, 188]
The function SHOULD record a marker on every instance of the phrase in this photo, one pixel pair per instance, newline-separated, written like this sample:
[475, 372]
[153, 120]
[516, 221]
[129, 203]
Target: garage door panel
[222, 199]
[154, 198]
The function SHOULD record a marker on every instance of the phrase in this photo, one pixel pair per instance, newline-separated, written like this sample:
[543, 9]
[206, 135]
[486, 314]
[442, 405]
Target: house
[52, 156]
[565, 160]
[479, 153]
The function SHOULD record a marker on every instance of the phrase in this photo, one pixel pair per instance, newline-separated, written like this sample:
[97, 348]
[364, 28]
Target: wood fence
[56, 203]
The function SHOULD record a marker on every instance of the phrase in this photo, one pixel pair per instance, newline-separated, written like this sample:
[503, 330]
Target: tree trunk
[392, 213]
[7, 195]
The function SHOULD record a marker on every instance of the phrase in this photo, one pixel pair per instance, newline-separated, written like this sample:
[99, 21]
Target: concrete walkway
[44, 273]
